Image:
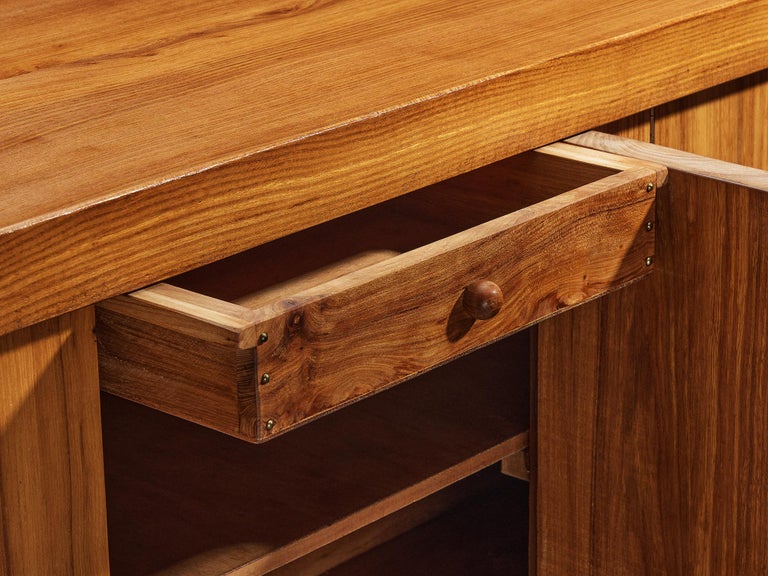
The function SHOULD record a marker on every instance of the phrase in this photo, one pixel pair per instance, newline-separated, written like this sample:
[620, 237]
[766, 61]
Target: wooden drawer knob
[482, 299]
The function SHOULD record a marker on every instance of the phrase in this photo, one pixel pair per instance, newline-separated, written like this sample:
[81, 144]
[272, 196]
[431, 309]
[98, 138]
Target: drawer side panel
[175, 373]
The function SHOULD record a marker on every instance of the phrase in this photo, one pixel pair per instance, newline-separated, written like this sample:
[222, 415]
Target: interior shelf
[183, 499]
[483, 535]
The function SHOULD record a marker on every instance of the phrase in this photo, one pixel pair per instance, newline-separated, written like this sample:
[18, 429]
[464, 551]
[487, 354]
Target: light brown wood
[347, 338]
[52, 510]
[217, 505]
[676, 159]
[640, 126]
[139, 131]
[726, 122]
[651, 402]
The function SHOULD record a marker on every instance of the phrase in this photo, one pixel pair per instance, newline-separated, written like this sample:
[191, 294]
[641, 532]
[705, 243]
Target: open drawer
[268, 339]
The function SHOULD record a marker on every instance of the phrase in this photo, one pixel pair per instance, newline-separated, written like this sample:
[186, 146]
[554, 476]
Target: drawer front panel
[395, 321]
[272, 368]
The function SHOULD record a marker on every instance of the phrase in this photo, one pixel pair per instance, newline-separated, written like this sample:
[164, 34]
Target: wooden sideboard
[140, 142]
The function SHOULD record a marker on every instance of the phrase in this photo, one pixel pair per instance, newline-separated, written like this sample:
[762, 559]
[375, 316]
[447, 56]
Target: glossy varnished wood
[133, 133]
[651, 403]
[52, 509]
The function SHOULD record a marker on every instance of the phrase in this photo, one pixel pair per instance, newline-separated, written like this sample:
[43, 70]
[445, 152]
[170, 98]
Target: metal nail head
[263, 337]
[265, 378]
[649, 260]
[270, 424]
[649, 187]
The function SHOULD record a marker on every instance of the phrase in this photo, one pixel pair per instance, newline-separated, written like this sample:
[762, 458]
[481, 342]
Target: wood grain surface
[52, 506]
[140, 141]
[726, 122]
[355, 335]
[652, 402]
[184, 500]
[676, 159]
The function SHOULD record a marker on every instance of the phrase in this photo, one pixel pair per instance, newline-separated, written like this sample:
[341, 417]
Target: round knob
[482, 299]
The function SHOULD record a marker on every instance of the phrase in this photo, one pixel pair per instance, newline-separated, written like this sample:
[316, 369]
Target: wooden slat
[52, 509]
[182, 498]
[141, 136]
[676, 159]
[726, 122]
[650, 402]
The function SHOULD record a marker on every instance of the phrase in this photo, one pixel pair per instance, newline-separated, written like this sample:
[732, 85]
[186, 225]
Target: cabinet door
[652, 404]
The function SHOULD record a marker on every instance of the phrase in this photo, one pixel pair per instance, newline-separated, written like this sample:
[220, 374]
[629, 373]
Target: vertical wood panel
[727, 122]
[52, 503]
[653, 403]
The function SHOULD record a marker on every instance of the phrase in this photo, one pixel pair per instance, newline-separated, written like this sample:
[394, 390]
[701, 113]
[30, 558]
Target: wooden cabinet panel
[652, 403]
[52, 508]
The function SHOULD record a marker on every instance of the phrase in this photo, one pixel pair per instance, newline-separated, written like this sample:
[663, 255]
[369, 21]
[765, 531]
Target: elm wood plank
[725, 122]
[52, 512]
[110, 146]
[487, 535]
[353, 336]
[145, 363]
[676, 159]
[222, 506]
[652, 403]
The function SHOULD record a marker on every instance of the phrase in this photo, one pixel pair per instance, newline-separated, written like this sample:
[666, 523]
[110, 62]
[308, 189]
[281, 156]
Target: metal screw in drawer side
[649, 226]
[649, 187]
[270, 424]
[263, 337]
[649, 260]
[265, 378]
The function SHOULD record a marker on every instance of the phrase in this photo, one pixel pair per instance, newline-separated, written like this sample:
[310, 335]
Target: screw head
[649, 187]
[270, 424]
[649, 226]
[265, 378]
[263, 337]
[649, 260]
